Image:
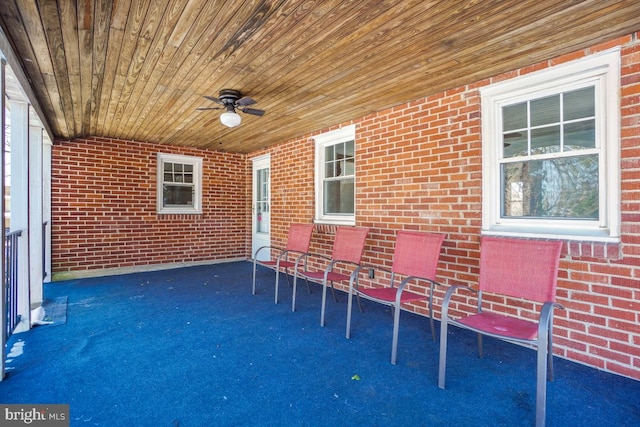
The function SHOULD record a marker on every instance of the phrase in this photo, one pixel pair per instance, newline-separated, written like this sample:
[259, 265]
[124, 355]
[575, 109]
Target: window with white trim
[179, 189]
[335, 176]
[551, 143]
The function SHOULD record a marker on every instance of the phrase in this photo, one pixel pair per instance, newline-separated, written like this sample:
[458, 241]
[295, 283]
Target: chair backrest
[299, 237]
[349, 244]
[520, 268]
[416, 254]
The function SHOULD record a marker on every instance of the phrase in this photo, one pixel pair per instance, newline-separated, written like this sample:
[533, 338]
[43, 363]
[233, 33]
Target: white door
[261, 207]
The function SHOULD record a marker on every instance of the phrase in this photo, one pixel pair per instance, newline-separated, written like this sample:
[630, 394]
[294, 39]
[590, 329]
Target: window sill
[583, 245]
[179, 212]
[600, 236]
[350, 223]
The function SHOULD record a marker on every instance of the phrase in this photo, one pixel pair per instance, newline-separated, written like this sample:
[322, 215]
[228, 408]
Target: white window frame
[344, 134]
[603, 71]
[196, 162]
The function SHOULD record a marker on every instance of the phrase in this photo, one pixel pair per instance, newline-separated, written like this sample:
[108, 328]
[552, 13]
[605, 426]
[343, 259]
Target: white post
[36, 244]
[20, 204]
[3, 276]
[46, 204]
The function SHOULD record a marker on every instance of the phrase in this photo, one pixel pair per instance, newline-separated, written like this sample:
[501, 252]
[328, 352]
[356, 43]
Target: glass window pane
[579, 104]
[168, 167]
[339, 196]
[349, 169]
[328, 170]
[564, 188]
[168, 177]
[545, 110]
[329, 154]
[545, 140]
[262, 201]
[262, 185]
[514, 117]
[177, 195]
[348, 149]
[515, 144]
[580, 135]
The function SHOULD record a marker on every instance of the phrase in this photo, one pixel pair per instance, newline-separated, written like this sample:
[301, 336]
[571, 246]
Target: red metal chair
[298, 241]
[415, 259]
[348, 247]
[521, 269]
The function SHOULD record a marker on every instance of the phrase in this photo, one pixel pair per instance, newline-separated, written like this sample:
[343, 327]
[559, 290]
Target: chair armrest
[304, 258]
[333, 262]
[352, 277]
[546, 318]
[450, 292]
[375, 268]
[255, 255]
[355, 276]
[403, 282]
[286, 252]
[315, 255]
[408, 279]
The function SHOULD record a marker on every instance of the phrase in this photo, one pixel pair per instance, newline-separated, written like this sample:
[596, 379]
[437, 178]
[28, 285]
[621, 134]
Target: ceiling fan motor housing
[230, 96]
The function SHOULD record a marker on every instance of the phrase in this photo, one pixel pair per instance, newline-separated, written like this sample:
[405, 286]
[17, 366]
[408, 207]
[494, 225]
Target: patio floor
[193, 347]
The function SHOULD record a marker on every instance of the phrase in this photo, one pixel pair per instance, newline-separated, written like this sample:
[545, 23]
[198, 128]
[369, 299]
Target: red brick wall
[418, 166]
[104, 208]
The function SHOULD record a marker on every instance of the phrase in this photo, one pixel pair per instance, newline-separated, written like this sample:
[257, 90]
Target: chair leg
[335, 298]
[289, 280]
[286, 274]
[443, 351]
[277, 280]
[432, 324]
[550, 358]
[541, 383]
[480, 347]
[349, 303]
[293, 297]
[431, 321]
[544, 361]
[396, 327]
[253, 292]
[359, 304]
[324, 302]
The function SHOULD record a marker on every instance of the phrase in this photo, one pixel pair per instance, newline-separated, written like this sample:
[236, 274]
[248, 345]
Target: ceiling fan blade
[252, 111]
[214, 99]
[209, 108]
[242, 102]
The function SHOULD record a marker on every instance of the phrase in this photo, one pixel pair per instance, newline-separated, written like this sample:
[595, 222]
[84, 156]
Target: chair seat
[388, 294]
[497, 324]
[283, 263]
[319, 276]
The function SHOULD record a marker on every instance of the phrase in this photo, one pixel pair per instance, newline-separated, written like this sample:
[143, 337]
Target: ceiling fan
[231, 99]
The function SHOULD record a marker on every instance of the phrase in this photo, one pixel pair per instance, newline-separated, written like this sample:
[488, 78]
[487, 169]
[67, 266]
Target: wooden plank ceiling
[139, 69]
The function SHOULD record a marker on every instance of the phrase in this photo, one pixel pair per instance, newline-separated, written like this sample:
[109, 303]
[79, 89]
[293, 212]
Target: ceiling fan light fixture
[230, 119]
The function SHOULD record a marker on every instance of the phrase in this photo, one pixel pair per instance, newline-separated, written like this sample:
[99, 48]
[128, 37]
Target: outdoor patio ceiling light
[230, 118]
